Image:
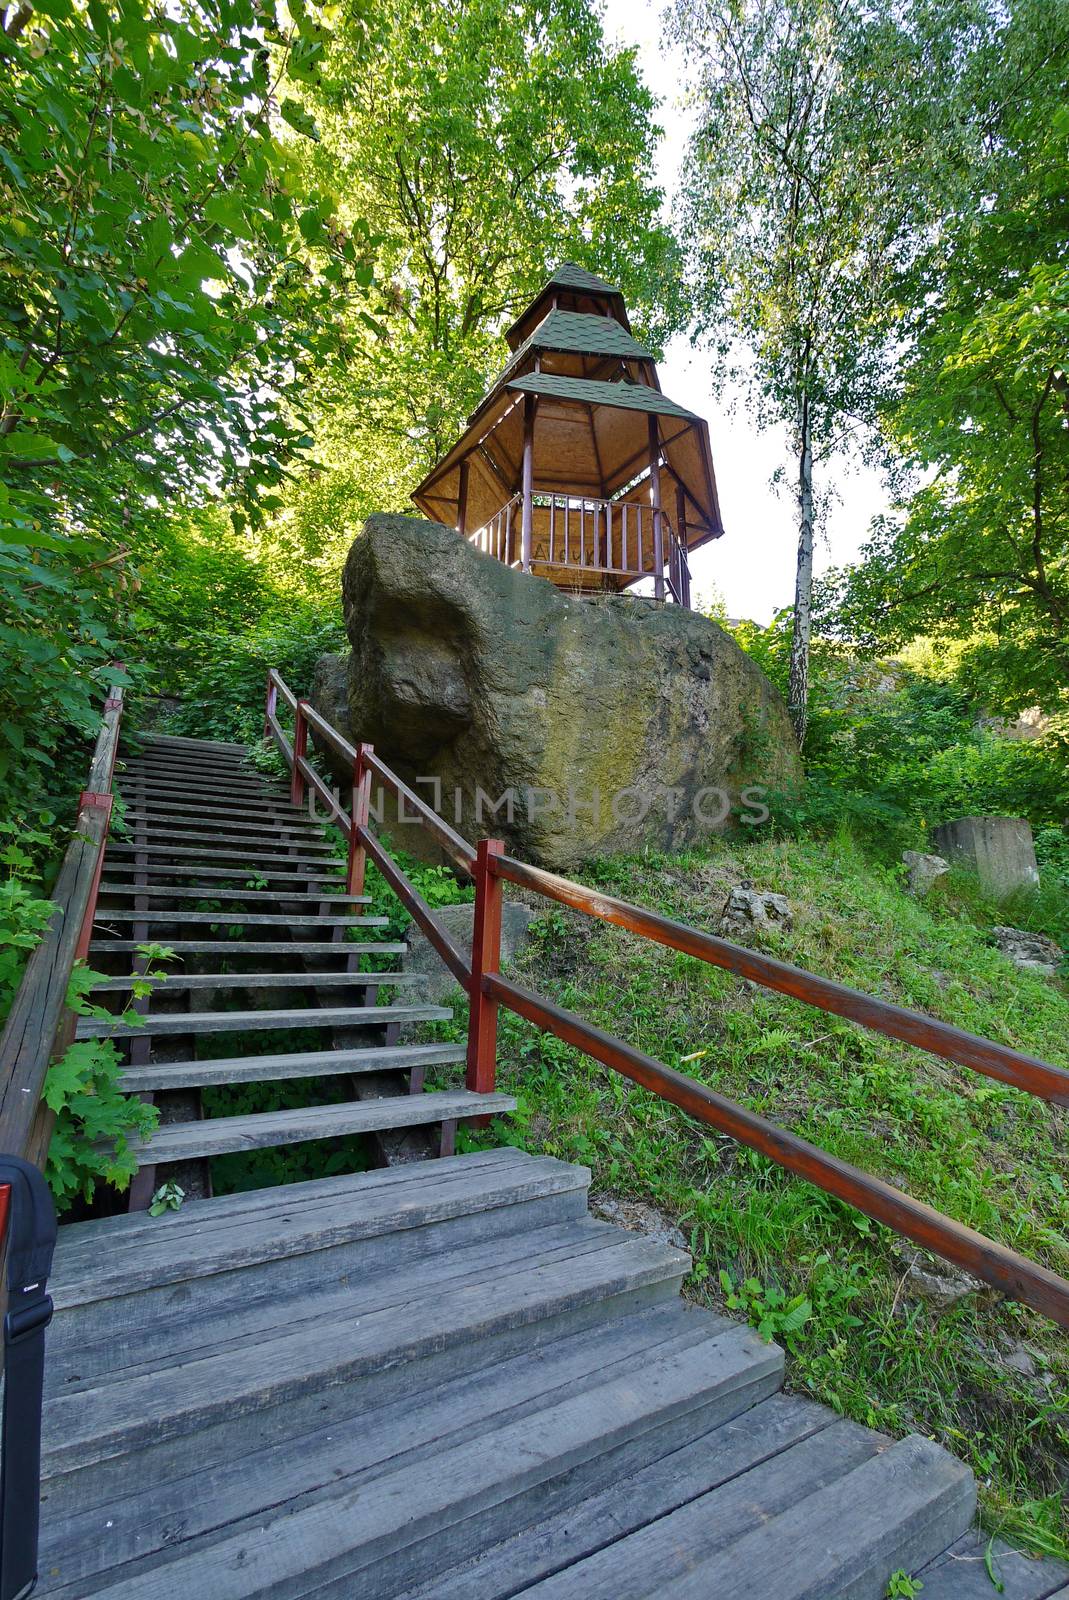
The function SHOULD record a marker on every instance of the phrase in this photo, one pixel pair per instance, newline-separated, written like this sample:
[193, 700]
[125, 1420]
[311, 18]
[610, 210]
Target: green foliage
[488, 142]
[980, 550]
[767, 1309]
[900, 1586]
[892, 752]
[168, 1197]
[222, 677]
[161, 307]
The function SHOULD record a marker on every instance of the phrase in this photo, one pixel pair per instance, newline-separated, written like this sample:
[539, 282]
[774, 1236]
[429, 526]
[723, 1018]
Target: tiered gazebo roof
[563, 467]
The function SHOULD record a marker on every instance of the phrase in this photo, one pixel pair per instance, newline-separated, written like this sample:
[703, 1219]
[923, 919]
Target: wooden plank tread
[215, 1136]
[298, 1064]
[276, 896]
[258, 947]
[253, 860]
[240, 919]
[235, 1021]
[258, 980]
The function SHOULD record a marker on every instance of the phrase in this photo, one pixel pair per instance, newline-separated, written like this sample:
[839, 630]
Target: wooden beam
[527, 515]
[462, 500]
[655, 501]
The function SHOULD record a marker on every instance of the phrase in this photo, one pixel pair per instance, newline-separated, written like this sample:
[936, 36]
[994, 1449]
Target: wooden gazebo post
[527, 522]
[462, 501]
[655, 498]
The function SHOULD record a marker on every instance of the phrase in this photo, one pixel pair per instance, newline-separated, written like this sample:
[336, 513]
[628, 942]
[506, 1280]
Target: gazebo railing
[586, 536]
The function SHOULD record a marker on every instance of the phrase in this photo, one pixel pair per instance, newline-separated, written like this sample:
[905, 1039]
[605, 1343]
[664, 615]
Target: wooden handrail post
[271, 703]
[361, 813]
[485, 958]
[300, 752]
[88, 800]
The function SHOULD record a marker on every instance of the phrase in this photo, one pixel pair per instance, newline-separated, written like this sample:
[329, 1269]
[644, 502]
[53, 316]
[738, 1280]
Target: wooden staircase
[446, 1381]
[218, 866]
[435, 1380]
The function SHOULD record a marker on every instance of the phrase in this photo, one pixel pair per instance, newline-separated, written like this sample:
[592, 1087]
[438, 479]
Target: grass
[832, 1285]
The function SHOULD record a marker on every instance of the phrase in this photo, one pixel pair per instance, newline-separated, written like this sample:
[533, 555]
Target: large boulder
[571, 727]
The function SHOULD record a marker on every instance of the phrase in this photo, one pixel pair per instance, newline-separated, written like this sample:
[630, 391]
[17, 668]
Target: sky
[752, 566]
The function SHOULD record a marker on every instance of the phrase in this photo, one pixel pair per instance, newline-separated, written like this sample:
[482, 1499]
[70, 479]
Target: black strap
[31, 1238]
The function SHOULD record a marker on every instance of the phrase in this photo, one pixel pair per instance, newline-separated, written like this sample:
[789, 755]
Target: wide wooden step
[182, 741]
[218, 1136]
[304, 1233]
[300, 1064]
[475, 1487]
[262, 1352]
[138, 787]
[208, 810]
[181, 1022]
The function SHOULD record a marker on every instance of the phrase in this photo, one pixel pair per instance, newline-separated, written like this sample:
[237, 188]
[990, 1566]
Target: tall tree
[980, 552]
[168, 281]
[797, 194]
[485, 140]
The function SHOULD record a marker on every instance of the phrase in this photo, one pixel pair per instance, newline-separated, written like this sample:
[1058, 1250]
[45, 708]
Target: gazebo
[575, 466]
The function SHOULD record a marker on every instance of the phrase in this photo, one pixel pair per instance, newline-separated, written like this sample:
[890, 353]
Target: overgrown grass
[979, 1151]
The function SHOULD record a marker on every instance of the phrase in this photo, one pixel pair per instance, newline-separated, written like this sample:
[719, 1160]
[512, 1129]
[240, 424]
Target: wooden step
[477, 1484]
[181, 822]
[728, 1458]
[447, 1310]
[296, 1234]
[208, 812]
[365, 1444]
[209, 892]
[252, 821]
[180, 981]
[253, 860]
[302, 1064]
[253, 947]
[183, 741]
[238, 918]
[960, 1573]
[218, 1136]
[182, 1022]
[220, 836]
[899, 1508]
[138, 788]
[170, 869]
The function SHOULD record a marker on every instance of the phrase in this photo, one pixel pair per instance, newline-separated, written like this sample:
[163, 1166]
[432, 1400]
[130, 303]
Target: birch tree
[799, 192]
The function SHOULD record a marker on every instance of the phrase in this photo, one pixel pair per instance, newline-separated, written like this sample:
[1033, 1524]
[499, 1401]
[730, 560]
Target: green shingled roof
[625, 396]
[583, 334]
[569, 276]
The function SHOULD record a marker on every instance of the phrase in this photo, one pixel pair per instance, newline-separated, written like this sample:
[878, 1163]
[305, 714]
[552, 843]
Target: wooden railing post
[485, 958]
[300, 751]
[361, 814]
[89, 799]
[271, 705]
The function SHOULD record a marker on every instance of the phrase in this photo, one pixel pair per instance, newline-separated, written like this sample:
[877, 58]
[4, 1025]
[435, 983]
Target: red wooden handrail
[40, 1026]
[993, 1263]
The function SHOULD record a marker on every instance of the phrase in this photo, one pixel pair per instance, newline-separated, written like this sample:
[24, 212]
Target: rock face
[922, 871]
[423, 959]
[748, 910]
[998, 849]
[571, 728]
[1033, 952]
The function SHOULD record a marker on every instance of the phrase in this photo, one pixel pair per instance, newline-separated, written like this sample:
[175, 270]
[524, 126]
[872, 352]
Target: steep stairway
[215, 864]
[445, 1380]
